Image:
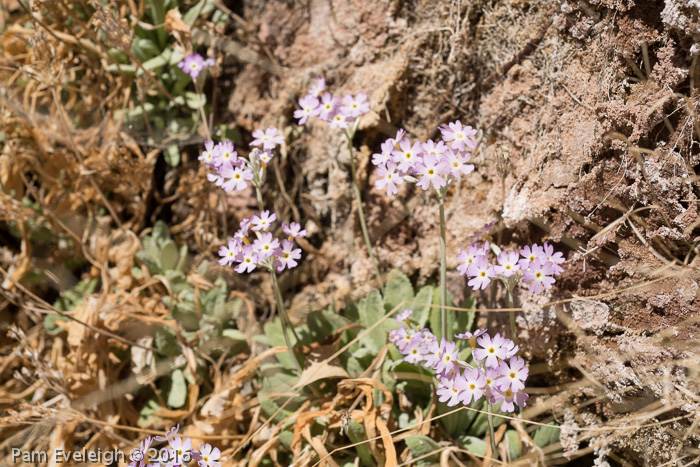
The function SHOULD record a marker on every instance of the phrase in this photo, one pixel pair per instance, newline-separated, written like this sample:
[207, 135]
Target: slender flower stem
[258, 194]
[492, 433]
[512, 313]
[278, 297]
[513, 331]
[285, 319]
[443, 268]
[361, 212]
[201, 108]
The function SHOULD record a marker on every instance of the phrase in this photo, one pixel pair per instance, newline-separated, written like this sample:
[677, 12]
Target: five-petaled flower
[208, 456]
[309, 108]
[390, 179]
[404, 315]
[492, 349]
[287, 255]
[193, 64]
[263, 221]
[459, 135]
[355, 106]
[293, 230]
[269, 139]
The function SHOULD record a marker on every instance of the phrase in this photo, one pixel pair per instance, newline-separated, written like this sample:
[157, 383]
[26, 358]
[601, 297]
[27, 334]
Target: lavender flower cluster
[499, 375]
[194, 64]
[178, 453]
[536, 268]
[232, 171]
[427, 164]
[330, 108]
[265, 250]
[252, 245]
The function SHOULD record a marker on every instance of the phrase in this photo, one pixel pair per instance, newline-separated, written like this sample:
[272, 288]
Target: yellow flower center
[492, 350]
[512, 375]
[472, 386]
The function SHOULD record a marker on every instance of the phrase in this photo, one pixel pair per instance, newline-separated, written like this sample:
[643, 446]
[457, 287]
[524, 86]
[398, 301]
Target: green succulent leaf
[286, 437]
[148, 261]
[178, 282]
[513, 440]
[234, 334]
[148, 411]
[275, 337]
[323, 323]
[356, 433]
[203, 268]
[202, 8]
[157, 62]
[172, 155]
[421, 445]
[169, 255]
[421, 314]
[178, 390]
[481, 423]
[455, 423]
[166, 342]
[436, 315]
[50, 323]
[160, 233]
[547, 435]
[73, 298]
[186, 316]
[398, 288]
[465, 319]
[354, 367]
[476, 445]
[192, 100]
[371, 310]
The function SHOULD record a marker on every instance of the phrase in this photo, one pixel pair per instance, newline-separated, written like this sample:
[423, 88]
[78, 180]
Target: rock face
[595, 104]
